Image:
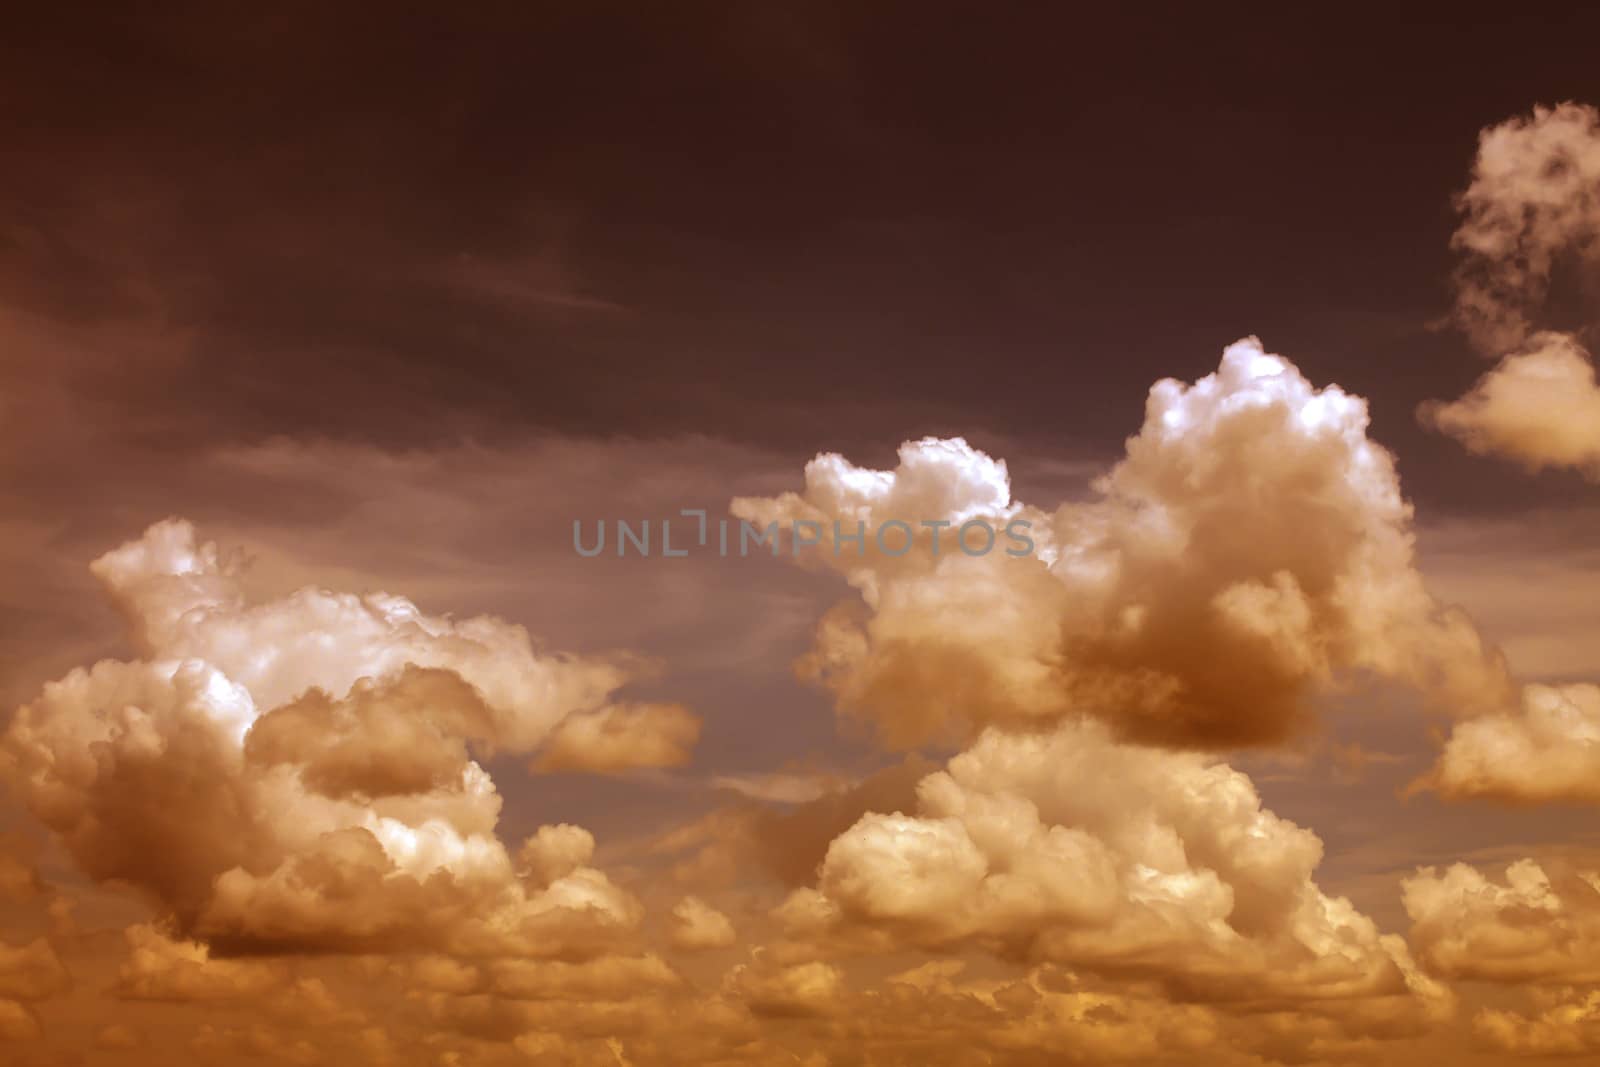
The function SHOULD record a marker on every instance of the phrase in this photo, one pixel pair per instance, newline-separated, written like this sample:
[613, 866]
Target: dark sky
[803, 225]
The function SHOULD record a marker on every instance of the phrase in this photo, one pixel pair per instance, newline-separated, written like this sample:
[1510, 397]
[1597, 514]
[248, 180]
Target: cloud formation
[1251, 549]
[303, 773]
[1533, 204]
[1535, 929]
[1534, 197]
[1535, 925]
[1539, 406]
[1073, 849]
[1548, 751]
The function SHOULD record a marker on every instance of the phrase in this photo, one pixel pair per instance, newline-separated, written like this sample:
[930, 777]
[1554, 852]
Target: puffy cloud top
[1252, 544]
[302, 773]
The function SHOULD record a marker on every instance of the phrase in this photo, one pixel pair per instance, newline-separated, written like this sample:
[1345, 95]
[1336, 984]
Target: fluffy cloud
[801, 989]
[555, 852]
[1539, 406]
[1534, 199]
[1541, 925]
[1548, 752]
[1251, 548]
[1073, 849]
[698, 926]
[17, 1023]
[1565, 1024]
[185, 601]
[300, 772]
[160, 967]
[1534, 196]
[31, 972]
[1536, 930]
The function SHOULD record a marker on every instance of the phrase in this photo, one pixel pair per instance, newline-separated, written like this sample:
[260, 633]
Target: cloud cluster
[1548, 751]
[1537, 929]
[1538, 926]
[1251, 549]
[1071, 848]
[303, 773]
[1534, 202]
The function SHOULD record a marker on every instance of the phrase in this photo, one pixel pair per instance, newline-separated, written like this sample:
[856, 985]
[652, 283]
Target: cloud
[1540, 925]
[797, 990]
[1550, 751]
[618, 738]
[779, 787]
[555, 852]
[405, 735]
[118, 1037]
[1534, 202]
[609, 978]
[160, 967]
[320, 749]
[1251, 550]
[698, 926]
[17, 1022]
[1539, 406]
[1116, 860]
[1563, 1025]
[19, 879]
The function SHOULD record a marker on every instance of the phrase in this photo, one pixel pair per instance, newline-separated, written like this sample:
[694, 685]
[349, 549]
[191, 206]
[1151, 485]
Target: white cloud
[1252, 549]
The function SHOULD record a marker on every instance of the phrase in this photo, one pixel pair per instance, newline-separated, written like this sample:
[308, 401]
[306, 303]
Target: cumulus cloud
[302, 772]
[1539, 406]
[1539, 924]
[1251, 549]
[1534, 201]
[801, 989]
[161, 967]
[1073, 849]
[698, 926]
[1565, 1024]
[1550, 751]
[186, 601]
[555, 852]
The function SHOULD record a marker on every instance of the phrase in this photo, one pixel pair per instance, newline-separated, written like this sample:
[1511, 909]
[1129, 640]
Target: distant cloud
[1534, 199]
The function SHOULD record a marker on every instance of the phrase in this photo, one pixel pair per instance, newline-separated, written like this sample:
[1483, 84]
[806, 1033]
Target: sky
[330, 336]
